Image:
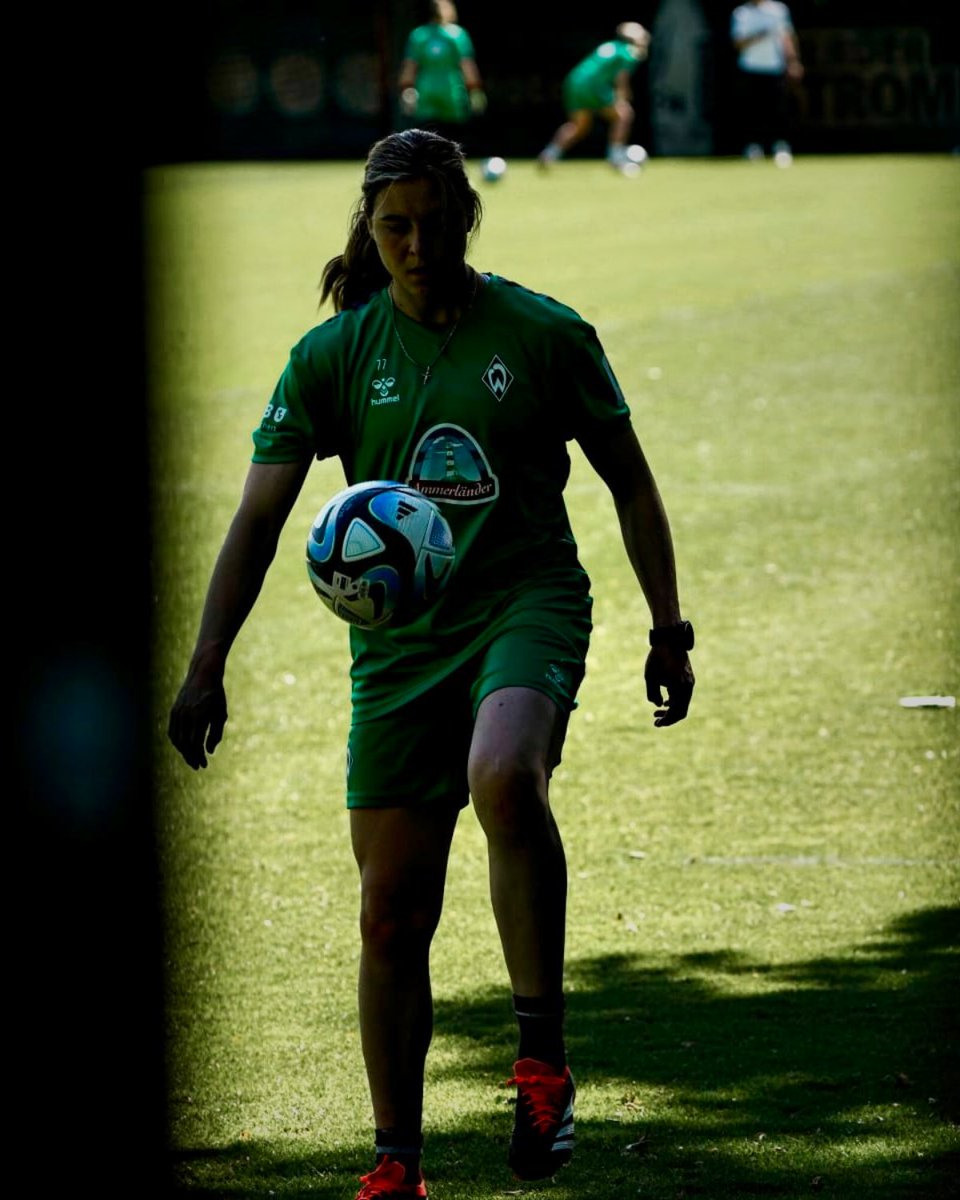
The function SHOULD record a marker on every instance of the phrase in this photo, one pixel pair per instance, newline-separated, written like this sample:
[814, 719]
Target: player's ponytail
[352, 277]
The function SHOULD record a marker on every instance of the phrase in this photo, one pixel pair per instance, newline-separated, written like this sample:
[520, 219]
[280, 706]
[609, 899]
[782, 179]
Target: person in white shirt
[768, 60]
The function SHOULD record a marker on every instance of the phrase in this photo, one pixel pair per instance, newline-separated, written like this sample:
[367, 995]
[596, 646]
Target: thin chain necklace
[428, 367]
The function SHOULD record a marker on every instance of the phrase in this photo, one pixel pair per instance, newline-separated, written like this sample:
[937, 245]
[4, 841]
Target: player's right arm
[407, 78]
[199, 712]
[408, 73]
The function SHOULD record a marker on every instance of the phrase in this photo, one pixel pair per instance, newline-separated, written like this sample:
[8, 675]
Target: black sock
[541, 1029]
[403, 1146]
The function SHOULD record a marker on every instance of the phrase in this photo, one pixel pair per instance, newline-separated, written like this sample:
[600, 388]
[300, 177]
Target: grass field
[763, 924]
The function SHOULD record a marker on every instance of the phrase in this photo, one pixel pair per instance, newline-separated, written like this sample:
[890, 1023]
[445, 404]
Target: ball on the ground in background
[494, 169]
[379, 554]
[636, 155]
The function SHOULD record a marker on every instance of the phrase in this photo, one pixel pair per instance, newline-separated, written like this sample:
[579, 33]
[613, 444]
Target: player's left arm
[474, 81]
[618, 459]
[791, 48]
[471, 73]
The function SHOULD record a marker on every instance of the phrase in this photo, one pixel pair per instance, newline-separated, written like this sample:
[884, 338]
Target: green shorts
[578, 96]
[417, 754]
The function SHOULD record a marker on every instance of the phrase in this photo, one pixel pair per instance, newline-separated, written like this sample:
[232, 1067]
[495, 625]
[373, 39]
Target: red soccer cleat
[387, 1182]
[542, 1139]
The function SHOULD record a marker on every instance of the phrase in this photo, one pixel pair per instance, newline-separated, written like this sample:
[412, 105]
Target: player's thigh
[402, 854]
[582, 120]
[518, 737]
[524, 690]
[415, 756]
[617, 110]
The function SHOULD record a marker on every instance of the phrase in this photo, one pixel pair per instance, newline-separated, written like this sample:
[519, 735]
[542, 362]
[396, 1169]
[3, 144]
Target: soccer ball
[635, 159]
[494, 169]
[379, 554]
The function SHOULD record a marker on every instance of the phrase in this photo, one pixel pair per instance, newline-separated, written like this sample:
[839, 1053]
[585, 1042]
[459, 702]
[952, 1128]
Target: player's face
[417, 244]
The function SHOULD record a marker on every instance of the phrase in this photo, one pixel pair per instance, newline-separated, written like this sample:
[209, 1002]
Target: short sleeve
[293, 426]
[465, 44]
[594, 400]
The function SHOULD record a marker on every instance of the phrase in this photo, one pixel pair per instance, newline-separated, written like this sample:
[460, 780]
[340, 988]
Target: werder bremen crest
[497, 377]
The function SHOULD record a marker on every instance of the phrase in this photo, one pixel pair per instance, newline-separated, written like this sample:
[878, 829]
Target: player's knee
[510, 797]
[396, 926]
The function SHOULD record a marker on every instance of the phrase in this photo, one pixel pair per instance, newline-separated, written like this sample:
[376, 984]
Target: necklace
[428, 367]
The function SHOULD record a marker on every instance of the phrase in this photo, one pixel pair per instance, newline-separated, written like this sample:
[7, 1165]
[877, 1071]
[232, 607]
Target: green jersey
[590, 83]
[438, 51]
[485, 438]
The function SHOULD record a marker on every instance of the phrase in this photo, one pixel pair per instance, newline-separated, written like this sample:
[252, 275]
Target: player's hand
[669, 669]
[478, 101]
[408, 101]
[197, 719]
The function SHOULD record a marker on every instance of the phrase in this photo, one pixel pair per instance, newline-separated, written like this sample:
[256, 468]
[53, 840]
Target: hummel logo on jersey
[382, 387]
[497, 377]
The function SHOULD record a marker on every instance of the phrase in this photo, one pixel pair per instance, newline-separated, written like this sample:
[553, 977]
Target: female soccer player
[488, 382]
[600, 86]
[440, 84]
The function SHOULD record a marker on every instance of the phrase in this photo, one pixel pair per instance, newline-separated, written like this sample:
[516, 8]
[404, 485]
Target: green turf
[764, 900]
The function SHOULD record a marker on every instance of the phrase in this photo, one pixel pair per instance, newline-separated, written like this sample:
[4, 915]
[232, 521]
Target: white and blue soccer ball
[379, 554]
[633, 160]
[494, 169]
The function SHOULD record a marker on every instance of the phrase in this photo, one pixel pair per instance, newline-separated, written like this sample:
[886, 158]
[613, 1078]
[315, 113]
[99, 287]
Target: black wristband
[679, 636]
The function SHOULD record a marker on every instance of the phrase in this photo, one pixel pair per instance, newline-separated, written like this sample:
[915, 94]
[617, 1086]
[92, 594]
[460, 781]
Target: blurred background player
[768, 61]
[600, 85]
[440, 83]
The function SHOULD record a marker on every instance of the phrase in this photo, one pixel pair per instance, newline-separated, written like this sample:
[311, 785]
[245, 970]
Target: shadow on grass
[832, 1077]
